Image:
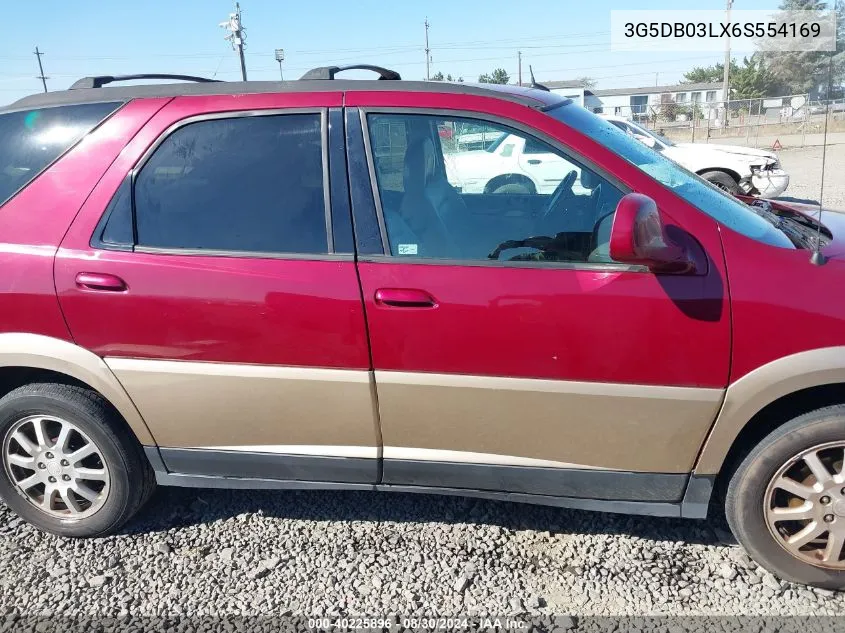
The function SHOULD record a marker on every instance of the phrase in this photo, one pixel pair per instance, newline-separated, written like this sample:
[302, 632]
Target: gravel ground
[804, 168]
[320, 553]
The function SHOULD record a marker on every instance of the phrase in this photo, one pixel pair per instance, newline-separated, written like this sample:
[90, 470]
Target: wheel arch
[26, 358]
[725, 170]
[766, 398]
[509, 178]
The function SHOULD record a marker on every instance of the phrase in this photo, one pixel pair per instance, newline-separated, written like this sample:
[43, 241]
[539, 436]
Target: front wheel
[722, 180]
[69, 465]
[785, 502]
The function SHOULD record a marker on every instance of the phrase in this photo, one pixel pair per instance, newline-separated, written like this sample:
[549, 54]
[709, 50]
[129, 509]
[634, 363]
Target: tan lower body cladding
[190, 404]
[637, 428]
[427, 417]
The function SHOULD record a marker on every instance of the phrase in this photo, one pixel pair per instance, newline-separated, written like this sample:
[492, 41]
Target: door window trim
[497, 120]
[132, 175]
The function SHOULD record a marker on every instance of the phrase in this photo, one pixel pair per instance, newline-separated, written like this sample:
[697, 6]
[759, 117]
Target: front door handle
[534, 161]
[404, 298]
[100, 281]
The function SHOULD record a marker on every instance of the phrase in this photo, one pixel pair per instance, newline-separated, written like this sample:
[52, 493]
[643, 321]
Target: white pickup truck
[511, 163]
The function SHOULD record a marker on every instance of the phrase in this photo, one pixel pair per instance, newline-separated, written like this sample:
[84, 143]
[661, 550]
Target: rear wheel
[722, 180]
[69, 466]
[786, 501]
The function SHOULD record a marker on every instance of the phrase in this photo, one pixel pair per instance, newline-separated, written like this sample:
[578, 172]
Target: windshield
[714, 202]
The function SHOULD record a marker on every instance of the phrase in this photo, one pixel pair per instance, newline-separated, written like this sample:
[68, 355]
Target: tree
[801, 71]
[752, 80]
[438, 76]
[498, 76]
[708, 74]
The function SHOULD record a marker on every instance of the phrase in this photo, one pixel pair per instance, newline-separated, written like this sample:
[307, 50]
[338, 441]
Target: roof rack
[328, 72]
[99, 82]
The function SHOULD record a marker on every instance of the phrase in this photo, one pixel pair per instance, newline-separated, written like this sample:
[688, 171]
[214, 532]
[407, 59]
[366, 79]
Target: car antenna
[817, 257]
[534, 84]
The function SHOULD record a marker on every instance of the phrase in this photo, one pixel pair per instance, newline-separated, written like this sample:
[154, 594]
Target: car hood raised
[832, 220]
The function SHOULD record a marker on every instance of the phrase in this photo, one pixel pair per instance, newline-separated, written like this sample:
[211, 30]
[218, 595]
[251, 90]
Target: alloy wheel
[804, 506]
[56, 466]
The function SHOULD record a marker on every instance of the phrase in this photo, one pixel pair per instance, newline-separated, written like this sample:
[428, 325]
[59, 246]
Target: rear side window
[32, 139]
[249, 184]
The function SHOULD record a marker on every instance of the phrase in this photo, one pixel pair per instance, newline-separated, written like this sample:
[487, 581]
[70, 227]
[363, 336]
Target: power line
[398, 48]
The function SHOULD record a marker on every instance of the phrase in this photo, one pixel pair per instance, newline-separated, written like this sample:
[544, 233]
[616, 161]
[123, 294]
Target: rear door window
[251, 184]
[32, 139]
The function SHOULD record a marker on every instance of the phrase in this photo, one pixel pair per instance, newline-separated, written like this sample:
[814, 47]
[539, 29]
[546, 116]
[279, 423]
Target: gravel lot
[322, 553]
[804, 168]
[316, 553]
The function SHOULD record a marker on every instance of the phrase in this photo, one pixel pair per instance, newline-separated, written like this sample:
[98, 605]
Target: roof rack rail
[99, 82]
[328, 72]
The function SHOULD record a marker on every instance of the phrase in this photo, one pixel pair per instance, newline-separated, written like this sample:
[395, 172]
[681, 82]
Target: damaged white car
[734, 168]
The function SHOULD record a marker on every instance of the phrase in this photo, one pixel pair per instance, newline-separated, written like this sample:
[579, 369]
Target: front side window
[515, 199]
[32, 139]
[247, 184]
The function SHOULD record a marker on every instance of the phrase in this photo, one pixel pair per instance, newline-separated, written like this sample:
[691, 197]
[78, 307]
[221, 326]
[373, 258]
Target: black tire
[722, 181]
[131, 478]
[746, 494]
[511, 184]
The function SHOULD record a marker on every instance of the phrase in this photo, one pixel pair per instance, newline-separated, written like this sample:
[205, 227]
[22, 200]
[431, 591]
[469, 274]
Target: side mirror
[638, 236]
[645, 140]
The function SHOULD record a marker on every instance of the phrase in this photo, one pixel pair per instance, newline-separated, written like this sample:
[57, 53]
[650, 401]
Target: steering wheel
[561, 193]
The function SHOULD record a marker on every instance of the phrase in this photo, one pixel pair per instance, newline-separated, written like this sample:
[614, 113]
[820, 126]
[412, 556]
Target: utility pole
[43, 79]
[427, 54]
[656, 79]
[236, 35]
[726, 84]
[519, 56]
[280, 57]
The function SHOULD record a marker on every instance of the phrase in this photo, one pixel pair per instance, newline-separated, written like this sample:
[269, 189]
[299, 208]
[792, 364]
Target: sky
[561, 39]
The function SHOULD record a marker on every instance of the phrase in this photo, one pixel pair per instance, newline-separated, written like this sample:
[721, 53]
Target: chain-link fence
[786, 121]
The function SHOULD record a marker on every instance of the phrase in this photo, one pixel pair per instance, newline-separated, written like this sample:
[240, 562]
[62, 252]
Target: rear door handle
[100, 281]
[404, 298]
[534, 161]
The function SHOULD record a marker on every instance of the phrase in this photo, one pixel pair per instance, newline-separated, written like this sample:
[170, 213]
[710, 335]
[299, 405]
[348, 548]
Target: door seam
[371, 369]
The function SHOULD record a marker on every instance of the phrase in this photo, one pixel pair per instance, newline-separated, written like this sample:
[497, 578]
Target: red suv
[309, 285]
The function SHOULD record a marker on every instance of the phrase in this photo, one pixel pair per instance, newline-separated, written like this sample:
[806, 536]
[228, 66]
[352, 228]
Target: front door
[510, 351]
[221, 291]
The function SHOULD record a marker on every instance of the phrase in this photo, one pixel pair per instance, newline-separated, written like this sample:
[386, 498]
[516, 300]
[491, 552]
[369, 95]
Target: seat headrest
[419, 164]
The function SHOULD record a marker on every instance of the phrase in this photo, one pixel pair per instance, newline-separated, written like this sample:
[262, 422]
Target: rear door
[510, 352]
[212, 268]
